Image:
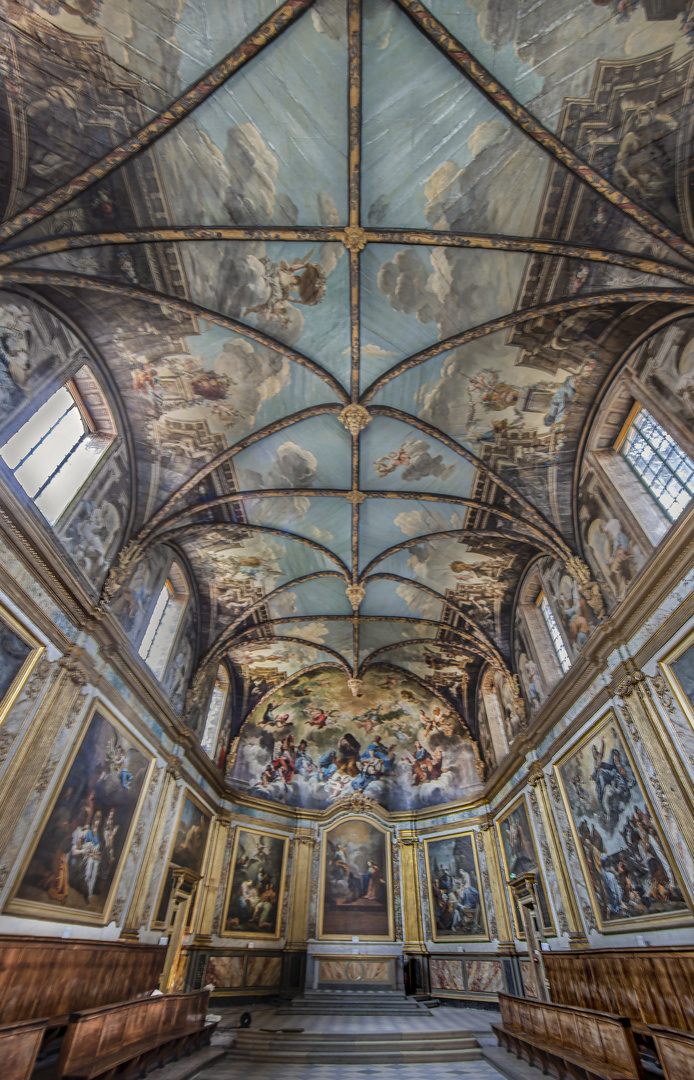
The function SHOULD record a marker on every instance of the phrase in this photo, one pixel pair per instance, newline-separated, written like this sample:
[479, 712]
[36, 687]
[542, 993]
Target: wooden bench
[564, 1040]
[133, 1036]
[19, 1045]
[675, 1050]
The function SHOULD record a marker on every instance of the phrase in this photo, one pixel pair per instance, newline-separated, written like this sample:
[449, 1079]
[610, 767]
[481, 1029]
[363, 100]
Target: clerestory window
[55, 451]
[157, 642]
[215, 713]
[554, 632]
[660, 463]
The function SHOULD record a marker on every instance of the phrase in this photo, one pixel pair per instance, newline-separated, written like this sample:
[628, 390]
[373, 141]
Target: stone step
[373, 1056]
[309, 1041]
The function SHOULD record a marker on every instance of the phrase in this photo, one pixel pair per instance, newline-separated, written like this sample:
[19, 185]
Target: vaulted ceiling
[359, 288]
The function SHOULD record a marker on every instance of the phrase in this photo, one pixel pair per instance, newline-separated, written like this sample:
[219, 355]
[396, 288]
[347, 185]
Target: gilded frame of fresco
[263, 936]
[430, 892]
[159, 924]
[550, 929]
[36, 651]
[634, 923]
[667, 666]
[39, 910]
[390, 936]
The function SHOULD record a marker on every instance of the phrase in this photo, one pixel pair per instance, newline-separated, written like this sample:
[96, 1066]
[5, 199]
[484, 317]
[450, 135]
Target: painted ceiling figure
[299, 281]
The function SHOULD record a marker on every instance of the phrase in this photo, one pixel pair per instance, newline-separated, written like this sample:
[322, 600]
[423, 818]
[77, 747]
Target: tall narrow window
[554, 633]
[54, 452]
[660, 463]
[215, 712]
[158, 639]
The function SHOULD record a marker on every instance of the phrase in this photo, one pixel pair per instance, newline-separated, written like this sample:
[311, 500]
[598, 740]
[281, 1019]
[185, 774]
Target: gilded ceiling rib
[503, 322]
[371, 658]
[463, 59]
[425, 538]
[297, 641]
[297, 233]
[62, 278]
[253, 44]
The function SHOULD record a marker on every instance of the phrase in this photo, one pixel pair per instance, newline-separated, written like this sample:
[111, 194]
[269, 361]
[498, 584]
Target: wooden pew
[47, 976]
[134, 1035]
[675, 1050]
[19, 1045]
[649, 985]
[565, 1040]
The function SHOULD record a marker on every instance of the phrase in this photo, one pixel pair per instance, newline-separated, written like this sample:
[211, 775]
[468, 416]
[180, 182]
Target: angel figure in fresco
[613, 776]
[297, 282]
[415, 460]
[643, 167]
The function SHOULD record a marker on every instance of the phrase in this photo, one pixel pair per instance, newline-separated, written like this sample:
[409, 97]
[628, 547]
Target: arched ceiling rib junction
[359, 294]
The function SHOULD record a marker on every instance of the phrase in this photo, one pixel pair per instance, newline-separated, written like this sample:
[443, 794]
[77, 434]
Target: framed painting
[19, 654]
[630, 872]
[678, 668]
[253, 904]
[455, 896]
[355, 882]
[74, 866]
[520, 857]
[190, 845]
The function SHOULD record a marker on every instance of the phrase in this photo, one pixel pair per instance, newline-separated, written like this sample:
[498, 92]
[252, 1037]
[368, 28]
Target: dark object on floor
[245, 1021]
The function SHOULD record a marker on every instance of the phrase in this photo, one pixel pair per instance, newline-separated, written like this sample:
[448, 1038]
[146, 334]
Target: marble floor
[464, 1070]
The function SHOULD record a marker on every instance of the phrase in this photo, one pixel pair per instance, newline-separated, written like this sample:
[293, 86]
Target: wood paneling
[676, 1052]
[568, 1041]
[145, 1033]
[650, 986]
[52, 977]
[19, 1045]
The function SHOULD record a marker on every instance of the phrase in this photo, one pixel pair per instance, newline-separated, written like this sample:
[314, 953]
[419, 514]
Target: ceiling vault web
[463, 59]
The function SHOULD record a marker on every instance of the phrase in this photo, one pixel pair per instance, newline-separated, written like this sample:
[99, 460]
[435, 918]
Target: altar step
[342, 1048]
[354, 1002]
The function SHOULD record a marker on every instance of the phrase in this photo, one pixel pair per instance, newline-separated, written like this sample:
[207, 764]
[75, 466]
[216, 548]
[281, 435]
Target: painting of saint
[628, 869]
[189, 848]
[14, 653]
[455, 896]
[520, 857]
[256, 883]
[73, 870]
[355, 895]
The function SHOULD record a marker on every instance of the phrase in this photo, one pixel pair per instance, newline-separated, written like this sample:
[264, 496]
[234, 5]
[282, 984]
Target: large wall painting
[74, 868]
[455, 896]
[312, 742]
[189, 848]
[256, 884]
[678, 666]
[628, 868]
[355, 898]
[19, 652]
[520, 857]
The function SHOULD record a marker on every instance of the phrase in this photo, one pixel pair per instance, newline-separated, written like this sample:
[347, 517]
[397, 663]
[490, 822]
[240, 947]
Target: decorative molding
[355, 418]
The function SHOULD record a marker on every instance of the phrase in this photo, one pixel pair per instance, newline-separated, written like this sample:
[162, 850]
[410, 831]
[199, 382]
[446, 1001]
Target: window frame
[224, 684]
[179, 595]
[554, 631]
[620, 443]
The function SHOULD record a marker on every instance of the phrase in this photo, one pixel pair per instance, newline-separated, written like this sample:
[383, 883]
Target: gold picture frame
[237, 922]
[668, 664]
[24, 666]
[358, 823]
[526, 834]
[435, 933]
[650, 828]
[188, 796]
[53, 846]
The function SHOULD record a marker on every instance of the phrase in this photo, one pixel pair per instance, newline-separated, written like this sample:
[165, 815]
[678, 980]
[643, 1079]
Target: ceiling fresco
[359, 271]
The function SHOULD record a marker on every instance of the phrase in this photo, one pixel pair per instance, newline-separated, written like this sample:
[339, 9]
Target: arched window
[215, 712]
[660, 463]
[56, 450]
[554, 632]
[157, 642]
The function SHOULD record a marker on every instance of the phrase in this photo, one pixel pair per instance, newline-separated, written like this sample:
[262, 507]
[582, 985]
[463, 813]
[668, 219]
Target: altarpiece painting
[455, 895]
[520, 857]
[355, 881]
[256, 885]
[189, 849]
[19, 652]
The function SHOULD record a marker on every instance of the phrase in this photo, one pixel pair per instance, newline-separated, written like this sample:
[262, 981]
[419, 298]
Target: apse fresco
[311, 744]
[629, 871]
